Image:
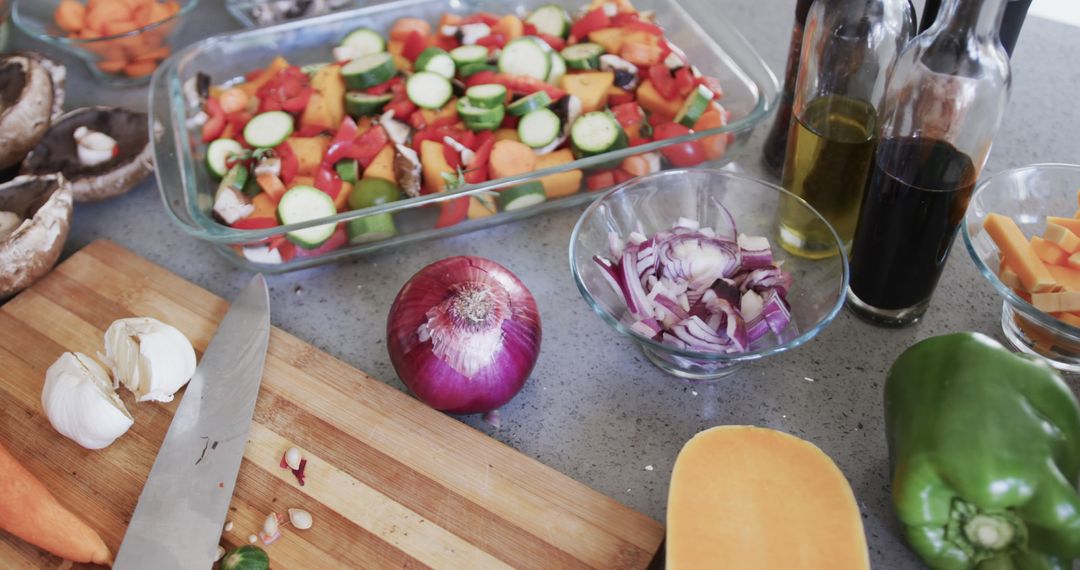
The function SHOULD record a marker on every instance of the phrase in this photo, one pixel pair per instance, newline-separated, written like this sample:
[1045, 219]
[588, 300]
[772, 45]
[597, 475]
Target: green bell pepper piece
[985, 451]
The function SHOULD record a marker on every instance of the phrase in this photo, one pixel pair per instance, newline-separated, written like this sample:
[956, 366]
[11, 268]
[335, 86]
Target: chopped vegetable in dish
[426, 109]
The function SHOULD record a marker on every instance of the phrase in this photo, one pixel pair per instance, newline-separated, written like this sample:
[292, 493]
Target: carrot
[70, 16]
[265, 205]
[233, 100]
[112, 65]
[29, 511]
[117, 27]
[140, 68]
[157, 54]
[159, 12]
[636, 165]
[715, 145]
[510, 26]
[405, 26]
[640, 54]
[271, 185]
[105, 11]
[510, 158]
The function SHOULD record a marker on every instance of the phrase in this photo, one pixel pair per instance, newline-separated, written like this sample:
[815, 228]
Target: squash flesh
[747, 497]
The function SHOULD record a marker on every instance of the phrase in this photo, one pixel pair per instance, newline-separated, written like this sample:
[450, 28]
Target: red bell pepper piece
[628, 114]
[384, 87]
[453, 212]
[684, 81]
[663, 81]
[480, 78]
[337, 240]
[260, 223]
[492, 42]
[633, 21]
[621, 175]
[327, 180]
[285, 248]
[689, 153]
[480, 18]
[215, 125]
[622, 98]
[529, 29]
[712, 84]
[415, 43]
[310, 131]
[600, 180]
[555, 42]
[638, 141]
[520, 84]
[368, 145]
[446, 42]
[416, 120]
[289, 90]
[342, 142]
[478, 171]
[239, 120]
[254, 74]
[298, 102]
[402, 108]
[452, 156]
[590, 22]
[290, 165]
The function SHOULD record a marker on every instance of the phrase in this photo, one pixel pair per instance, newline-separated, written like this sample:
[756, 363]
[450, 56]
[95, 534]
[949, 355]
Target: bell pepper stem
[990, 531]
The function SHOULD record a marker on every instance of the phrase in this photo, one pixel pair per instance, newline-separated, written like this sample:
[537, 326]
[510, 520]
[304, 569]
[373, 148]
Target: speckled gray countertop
[594, 408]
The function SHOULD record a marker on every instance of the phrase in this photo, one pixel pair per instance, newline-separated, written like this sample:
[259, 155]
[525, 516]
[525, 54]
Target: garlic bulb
[9, 222]
[81, 404]
[149, 357]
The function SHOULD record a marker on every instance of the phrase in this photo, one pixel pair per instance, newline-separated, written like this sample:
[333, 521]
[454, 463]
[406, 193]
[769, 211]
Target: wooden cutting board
[390, 482]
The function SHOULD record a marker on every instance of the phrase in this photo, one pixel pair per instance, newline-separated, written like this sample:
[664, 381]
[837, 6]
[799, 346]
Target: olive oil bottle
[847, 51]
[828, 160]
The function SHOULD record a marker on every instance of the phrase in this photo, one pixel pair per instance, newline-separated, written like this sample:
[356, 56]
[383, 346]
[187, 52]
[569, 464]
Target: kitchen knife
[178, 521]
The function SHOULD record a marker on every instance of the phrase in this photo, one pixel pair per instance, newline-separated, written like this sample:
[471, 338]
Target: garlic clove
[149, 357]
[300, 519]
[81, 404]
[292, 458]
[220, 553]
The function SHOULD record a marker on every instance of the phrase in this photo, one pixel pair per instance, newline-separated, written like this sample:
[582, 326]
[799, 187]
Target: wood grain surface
[390, 482]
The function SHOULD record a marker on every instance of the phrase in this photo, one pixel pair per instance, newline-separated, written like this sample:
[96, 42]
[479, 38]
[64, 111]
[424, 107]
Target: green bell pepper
[985, 451]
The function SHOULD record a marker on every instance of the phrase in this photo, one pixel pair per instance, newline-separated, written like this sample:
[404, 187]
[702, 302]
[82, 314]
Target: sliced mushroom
[58, 152]
[44, 204]
[26, 104]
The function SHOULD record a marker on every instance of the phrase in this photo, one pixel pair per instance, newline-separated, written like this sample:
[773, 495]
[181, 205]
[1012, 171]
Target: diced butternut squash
[309, 153]
[446, 115]
[1073, 261]
[610, 39]
[265, 206]
[1049, 253]
[1068, 278]
[564, 183]
[652, 101]
[1062, 237]
[434, 166]
[1064, 301]
[506, 135]
[510, 26]
[302, 181]
[749, 497]
[481, 206]
[1071, 224]
[591, 87]
[1009, 277]
[510, 158]
[326, 107]
[1018, 253]
[341, 202]
[382, 166]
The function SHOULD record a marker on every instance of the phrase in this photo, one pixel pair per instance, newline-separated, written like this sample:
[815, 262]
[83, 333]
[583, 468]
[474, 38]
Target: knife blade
[178, 520]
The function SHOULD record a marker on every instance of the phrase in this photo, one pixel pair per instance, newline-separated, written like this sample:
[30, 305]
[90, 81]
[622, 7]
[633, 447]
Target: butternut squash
[591, 87]
[652, 101]
[506, 135]
[309, 153]
[749, 497]
[564, 183]
[481, 206]
[382, 166]
[326, 107]
[434, 166]
[1018, 253]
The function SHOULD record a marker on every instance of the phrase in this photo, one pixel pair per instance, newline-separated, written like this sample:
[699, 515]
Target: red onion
[464, 334]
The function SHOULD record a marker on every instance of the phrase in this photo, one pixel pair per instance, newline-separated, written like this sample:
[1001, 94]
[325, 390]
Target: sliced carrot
[265, 206]
[104, 12]
[159, 12]
[637, 165]
[112, 65]
[271, 185]
[640, 54]
[405, 26]
[117, 27]
[510, 158]
[172, 6]
[233, 100]
[29, 511]
[715, 145]
[140, 68]
[70, 16]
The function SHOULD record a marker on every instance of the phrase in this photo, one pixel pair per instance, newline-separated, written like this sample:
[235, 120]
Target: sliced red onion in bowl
[690, 289]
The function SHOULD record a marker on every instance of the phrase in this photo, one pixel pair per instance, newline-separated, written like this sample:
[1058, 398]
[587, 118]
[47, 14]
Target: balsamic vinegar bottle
[943, 104]
[776, 141]
[1015, 11]
[849, 47]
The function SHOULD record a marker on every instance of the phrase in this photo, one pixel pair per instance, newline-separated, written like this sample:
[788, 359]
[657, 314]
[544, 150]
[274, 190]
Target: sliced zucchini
[267, 130]
[303, 204]
[558, 68]
[479, 118]
[218, 154]
[371, 228]
[526, 56]
[529, 103]
[364, 41]
[236, 178]
[697, 102]
[370, 192]
[435, 60]
[369, 70]
[312, 68]
[470, 69]
[550, 19]
[523, 196]
[596, 133]
[583, 56]
[348, 170]
[539, 128]
[359, 104]
[428, 89]
[464, 55]
[487, 96]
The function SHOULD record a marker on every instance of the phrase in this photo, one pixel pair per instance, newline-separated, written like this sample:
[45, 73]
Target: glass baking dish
[243, 10]
[709, 40]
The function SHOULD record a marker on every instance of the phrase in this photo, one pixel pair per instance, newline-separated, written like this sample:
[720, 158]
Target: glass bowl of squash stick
[121, 41]
[1022, 229]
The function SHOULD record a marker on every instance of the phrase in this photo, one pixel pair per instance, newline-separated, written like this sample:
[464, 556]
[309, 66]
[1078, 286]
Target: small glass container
[943, 104]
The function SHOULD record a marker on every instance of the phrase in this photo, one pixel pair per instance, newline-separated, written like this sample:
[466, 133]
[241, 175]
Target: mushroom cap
[57, 152]
[26, 105]
[45, 204]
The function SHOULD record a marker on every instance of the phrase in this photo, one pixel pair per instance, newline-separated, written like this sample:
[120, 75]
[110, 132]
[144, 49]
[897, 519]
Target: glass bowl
[1027, 195]
[128, 56]
[5, 10]
[730, 203]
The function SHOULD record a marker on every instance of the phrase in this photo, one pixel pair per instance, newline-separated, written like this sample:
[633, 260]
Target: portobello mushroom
[59, 152]
[27, 99]
[42, 205]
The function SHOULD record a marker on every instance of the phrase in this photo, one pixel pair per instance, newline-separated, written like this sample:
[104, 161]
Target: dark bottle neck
[979, 18]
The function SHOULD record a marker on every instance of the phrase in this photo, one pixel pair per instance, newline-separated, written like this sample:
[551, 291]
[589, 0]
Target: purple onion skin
[431, 378]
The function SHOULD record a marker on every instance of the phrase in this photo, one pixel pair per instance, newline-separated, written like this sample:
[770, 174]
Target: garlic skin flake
[81, 404]
[149, 357]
